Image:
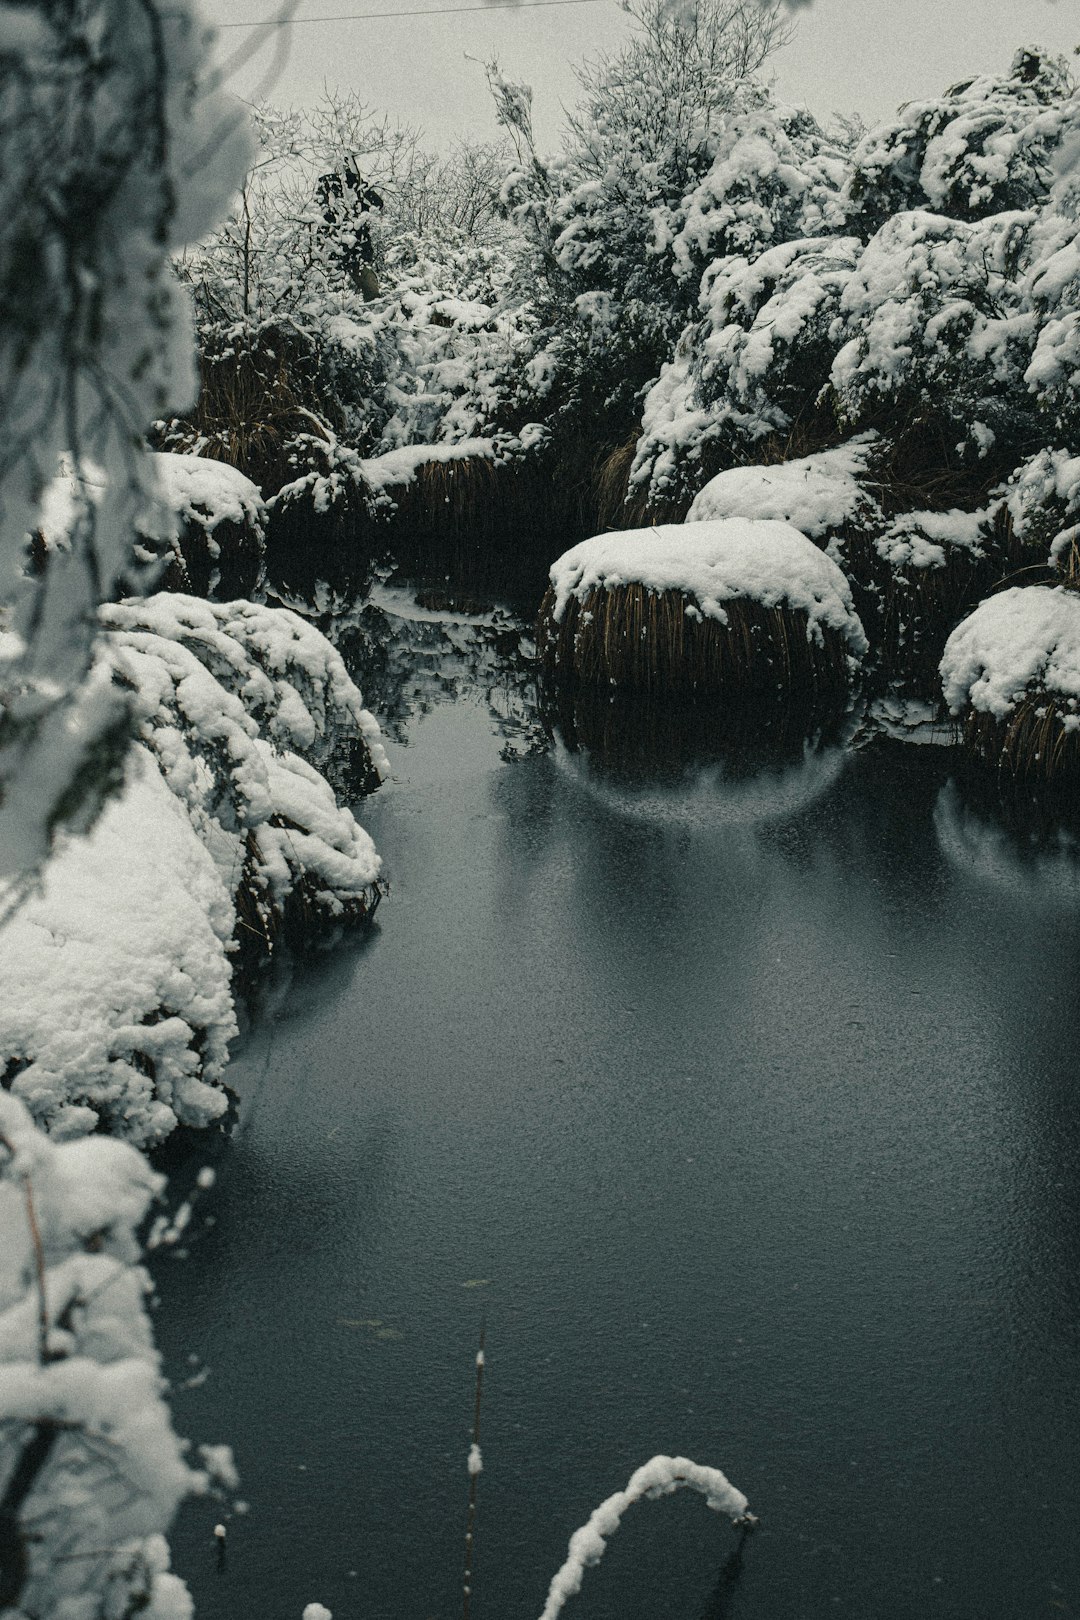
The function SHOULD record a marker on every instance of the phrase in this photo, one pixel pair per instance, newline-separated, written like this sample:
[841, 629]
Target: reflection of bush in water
[665, 759]
[634, 738]
[1011, 834]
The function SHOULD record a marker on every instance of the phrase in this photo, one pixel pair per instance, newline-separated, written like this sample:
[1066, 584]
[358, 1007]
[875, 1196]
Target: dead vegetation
[658, 641]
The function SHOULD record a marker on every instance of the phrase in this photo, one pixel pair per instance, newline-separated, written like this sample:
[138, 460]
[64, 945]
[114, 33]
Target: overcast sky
[847, 55]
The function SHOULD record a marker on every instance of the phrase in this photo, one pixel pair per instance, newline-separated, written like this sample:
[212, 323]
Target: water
[741, 1105]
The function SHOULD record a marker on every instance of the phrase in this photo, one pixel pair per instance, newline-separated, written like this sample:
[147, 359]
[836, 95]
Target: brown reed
[658, 641]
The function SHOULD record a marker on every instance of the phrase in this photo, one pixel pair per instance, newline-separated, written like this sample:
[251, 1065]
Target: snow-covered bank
[93, 1471]
[117, 982]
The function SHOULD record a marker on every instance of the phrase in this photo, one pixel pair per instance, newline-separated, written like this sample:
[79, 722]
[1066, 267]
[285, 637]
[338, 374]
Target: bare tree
[663, 94]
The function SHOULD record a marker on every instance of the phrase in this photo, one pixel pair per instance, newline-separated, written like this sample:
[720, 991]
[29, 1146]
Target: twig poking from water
[475, 1468]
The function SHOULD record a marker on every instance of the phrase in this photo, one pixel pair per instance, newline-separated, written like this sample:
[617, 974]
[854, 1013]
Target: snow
[1021, 640]
[397, 467]
[713, 562]
[923, 539]
[316, 1611]
[476, 1461]
[816, 494]
[115, 978]
[660, 1476]
[116, 1472]
[206, 493]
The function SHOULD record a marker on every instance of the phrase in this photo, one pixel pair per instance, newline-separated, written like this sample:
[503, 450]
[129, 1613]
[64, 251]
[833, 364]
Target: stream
[733, 1094]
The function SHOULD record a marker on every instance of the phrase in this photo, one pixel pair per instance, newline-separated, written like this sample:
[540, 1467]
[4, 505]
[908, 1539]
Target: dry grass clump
[658, 641]
[224, 566]
[1039, 741]
[910, 612]
[483, 523]
[253, 403]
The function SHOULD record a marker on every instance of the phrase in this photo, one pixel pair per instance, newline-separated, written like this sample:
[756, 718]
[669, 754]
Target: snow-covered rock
[1020, 642]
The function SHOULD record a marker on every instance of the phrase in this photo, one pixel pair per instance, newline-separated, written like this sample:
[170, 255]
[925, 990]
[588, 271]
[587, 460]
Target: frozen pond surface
[744, 1109]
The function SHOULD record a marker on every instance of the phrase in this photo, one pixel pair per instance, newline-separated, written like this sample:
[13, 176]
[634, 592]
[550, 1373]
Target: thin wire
[425, 11]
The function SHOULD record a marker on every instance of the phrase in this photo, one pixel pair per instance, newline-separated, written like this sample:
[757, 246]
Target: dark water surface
[745, 1110]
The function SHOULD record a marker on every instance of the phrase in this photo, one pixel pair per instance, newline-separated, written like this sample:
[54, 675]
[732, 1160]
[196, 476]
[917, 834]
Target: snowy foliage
[116, 992]
[116, 148]
[932, 287]
[91, 1467]
[985, 147]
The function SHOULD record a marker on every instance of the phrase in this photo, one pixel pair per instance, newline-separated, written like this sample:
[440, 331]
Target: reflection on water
[752, 1134]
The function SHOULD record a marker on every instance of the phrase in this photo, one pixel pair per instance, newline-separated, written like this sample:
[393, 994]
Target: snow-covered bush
[1011, 673]
[1042, 500]
[823, 495]
[745, 374]
[117, 146]
[985, 147]
[726, 607]
[117, 985]
[602, 217]
[932, 326]
[92, 1471]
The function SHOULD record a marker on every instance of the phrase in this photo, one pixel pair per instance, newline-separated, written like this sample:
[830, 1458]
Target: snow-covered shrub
[933, 327]
[117, 146]
[1042, 501]
[116, 1006]
[118, 980]
[601, 219]
[214, 526]
[1011, 673]
[746, 373]
[985, 147]
[824, 495]
[723, 607]
[234, 699]
[92, 1471]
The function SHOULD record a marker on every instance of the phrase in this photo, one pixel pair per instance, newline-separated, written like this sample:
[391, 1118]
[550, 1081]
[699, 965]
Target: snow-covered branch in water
[660, 1476]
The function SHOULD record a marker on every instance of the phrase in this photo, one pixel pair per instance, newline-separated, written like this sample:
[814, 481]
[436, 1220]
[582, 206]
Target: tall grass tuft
[1038, 741]
[658, 641]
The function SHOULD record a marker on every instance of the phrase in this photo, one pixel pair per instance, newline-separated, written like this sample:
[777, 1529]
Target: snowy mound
[767, 562]
[816, 494]
[1019, 641]
[116, 1002]
[207, 492]
[116, 992]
